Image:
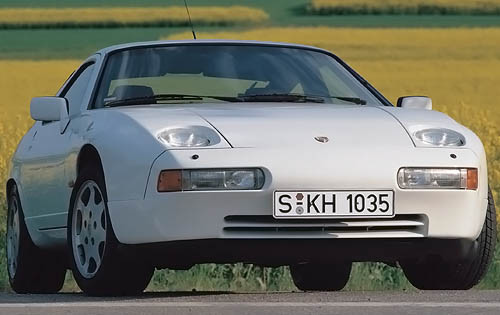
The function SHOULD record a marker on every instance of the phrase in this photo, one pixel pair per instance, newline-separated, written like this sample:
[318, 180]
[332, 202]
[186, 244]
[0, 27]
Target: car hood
[298, 126]
[280, 125]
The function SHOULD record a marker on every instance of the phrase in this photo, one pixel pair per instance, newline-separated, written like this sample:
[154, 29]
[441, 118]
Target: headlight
[210, 179]
[440, 137]
[184, 137]
[438, 178]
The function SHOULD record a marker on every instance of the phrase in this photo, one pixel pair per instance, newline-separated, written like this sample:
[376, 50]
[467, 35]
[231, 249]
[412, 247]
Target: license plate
[330, 204]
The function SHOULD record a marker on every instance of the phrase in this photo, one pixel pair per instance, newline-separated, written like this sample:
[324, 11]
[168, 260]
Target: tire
[100, 267]
[30, 269]
[439, 275]
[321, 277]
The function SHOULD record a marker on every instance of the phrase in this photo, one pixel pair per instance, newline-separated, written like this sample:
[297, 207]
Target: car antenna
[189, 17]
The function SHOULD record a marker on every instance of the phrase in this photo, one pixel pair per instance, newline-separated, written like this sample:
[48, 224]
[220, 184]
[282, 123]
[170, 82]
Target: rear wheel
[439, 275]
[30, 269]
[321, 277]
[99, 267]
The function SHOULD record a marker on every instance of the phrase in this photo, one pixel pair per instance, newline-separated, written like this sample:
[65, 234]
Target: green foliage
[247, 278]
[4, 282]
[418, 10]
[109, 24]
[403, 7]
[212, 277]
[492, 278]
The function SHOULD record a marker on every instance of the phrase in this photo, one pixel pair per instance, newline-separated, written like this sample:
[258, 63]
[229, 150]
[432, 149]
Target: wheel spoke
[94, 253]
[85, 266]
[91, 202]
[98, 232]
[79, 239]
[80, 204]
[79, 221]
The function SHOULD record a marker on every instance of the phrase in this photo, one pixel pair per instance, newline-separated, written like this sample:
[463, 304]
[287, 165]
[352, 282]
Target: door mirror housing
[49, 108]
[415, 102]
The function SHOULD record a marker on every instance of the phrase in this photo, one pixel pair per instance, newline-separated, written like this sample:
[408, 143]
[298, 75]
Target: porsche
[169, 154]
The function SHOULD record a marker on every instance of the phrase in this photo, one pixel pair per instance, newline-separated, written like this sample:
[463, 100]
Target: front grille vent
[267, 226]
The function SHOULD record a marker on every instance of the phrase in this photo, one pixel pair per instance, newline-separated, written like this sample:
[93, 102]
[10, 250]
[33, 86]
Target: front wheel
[440, 275]
[321, 277]
[98, 266]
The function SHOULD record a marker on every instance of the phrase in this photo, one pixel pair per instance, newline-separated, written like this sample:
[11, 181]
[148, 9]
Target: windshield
[227, 73]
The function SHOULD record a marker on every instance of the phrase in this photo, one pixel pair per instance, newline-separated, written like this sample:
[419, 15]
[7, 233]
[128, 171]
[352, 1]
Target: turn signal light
[170, 181]
[472, 179]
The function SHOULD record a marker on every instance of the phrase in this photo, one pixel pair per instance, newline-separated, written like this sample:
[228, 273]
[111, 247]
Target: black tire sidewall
[321, 277]
[105, 273]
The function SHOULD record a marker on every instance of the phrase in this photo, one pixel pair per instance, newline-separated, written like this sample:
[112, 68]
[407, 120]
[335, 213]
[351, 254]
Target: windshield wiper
[282, 98]
[354, 100]
[299, 98]
[167, 97]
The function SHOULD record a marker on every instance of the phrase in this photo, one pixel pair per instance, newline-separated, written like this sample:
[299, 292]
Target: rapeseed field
[127, 16]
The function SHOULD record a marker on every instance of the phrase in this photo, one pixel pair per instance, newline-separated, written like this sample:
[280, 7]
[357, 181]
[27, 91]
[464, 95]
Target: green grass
[111, 25]
[72, 43]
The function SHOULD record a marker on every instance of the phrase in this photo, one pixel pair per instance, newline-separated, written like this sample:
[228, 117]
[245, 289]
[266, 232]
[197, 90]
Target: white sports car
[174, 153]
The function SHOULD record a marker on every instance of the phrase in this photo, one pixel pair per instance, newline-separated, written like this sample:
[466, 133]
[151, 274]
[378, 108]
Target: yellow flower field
[404, 6]
[117, 16]
[458, 68]
[20, 81]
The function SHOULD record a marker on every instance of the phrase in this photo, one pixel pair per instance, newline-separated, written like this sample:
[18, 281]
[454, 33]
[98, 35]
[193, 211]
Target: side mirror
[415, 102]
[49, 108]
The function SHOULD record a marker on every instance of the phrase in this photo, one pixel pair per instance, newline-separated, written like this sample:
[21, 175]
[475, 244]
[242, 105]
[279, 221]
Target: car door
[47, 186]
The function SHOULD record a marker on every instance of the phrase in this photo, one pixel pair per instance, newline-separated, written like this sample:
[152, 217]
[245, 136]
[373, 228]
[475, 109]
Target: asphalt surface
[222, 303]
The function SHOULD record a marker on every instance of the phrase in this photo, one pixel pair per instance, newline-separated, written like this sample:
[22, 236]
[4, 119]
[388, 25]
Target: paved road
[222, 303]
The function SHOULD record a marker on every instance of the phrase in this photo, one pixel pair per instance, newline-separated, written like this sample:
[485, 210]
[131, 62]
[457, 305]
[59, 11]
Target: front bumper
[165, 217]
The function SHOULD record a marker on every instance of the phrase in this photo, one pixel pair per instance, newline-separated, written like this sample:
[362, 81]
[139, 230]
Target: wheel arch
[89, 157]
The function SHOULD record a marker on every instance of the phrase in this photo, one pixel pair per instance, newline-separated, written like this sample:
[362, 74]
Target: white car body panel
[367, 147]
[449, 212]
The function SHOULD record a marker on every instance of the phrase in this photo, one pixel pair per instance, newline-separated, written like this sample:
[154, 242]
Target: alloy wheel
[88, 229]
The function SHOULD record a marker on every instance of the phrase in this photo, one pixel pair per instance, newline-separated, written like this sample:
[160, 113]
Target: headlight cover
[189, 137]
[440, 137]
[438, 178]
[210, 179]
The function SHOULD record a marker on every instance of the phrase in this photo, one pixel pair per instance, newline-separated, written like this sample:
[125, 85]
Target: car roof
[160, 43]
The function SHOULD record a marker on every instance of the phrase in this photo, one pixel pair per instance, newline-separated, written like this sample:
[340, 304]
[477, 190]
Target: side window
[75, 91]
